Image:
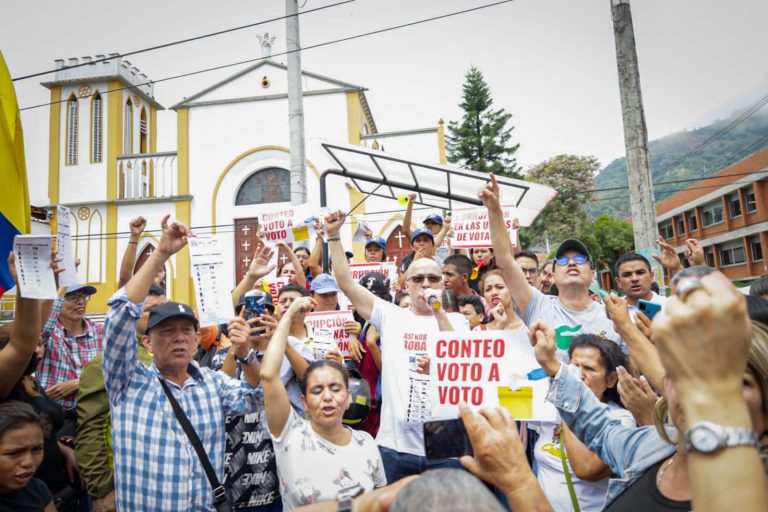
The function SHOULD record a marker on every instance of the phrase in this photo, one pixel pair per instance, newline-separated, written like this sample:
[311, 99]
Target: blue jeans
[398, 465]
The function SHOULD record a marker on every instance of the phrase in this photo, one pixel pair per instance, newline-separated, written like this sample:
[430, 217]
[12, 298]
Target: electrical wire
[180, 41]
[310, 47]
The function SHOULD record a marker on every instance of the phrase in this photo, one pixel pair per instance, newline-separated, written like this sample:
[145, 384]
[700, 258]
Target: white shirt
[405, 394]
[312, 469]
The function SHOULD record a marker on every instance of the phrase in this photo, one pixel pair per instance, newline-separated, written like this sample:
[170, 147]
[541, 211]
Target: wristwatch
[345, 497]
[708, 437]
[251, 357]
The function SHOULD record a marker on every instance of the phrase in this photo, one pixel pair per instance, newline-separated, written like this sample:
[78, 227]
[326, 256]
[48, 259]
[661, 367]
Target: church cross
[400, 237]
[246, 245]
[246, 261]
[245, 230]
[283, 259]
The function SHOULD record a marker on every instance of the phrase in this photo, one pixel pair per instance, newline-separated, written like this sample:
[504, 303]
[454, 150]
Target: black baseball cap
[377, 283]
[163, 312]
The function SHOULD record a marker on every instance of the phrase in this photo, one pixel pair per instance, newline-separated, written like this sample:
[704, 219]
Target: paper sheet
[214, 302]
[64, 247]
[33, 266]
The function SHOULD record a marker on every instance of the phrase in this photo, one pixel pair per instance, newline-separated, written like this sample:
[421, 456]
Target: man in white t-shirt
[404, 336]
[634, 277]
[573, 311]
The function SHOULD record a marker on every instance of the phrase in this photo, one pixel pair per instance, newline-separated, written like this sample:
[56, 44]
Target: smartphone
[648, 308]
[254, 306]
[445, 439]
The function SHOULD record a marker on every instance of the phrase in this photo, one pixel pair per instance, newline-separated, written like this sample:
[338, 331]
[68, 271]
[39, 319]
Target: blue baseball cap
[85, 288]
[434, 218]
[324, 283]
[423, 231]
[378, 241]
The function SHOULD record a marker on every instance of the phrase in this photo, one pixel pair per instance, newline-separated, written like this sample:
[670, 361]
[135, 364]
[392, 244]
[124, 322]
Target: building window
[749, 195]
[680, 226]
[665, 230]
[72, 131]
[709, 255]
[692, 225]
[732, 253]
[143, 132]
[756, 248]
[96, 130]
[734, 206]
[712, 214]
[128, 129]
[272, 185]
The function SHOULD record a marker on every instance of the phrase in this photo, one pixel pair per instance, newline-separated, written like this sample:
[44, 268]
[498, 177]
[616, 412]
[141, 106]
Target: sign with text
[272, 286]
[328, 332]
[358, 270]
[471, 228]
[64, 247]
[214, 303]
[285, 224]
[488, 369]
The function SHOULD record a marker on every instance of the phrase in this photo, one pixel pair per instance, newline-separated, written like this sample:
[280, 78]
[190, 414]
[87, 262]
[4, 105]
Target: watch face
[704, 440]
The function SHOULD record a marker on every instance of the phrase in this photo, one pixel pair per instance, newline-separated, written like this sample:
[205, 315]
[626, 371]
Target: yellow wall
[441, 142]
[354, 117]
[182, 282]
[54, 154]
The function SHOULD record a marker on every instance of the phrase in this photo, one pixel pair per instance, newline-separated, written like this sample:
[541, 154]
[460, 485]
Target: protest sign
[358, 270]
[33, 266]
[272, 286]
[64, 247]
[328, 332]
[471, 227]
[286, 224]
[488, 369]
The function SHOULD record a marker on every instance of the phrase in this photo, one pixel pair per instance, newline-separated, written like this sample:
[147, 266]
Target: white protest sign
[285, 224]
[328, 332]
[358, 270]
[488, 369]
[64, 247]
[33, 266]
[273, 286]
[471, 227]
[214, 303]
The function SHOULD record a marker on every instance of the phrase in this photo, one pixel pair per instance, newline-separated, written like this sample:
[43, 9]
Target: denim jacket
[629, 452]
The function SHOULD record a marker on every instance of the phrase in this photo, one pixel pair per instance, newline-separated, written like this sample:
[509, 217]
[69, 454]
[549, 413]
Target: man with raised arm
[572, 312]
[404, 337]
[156, 467]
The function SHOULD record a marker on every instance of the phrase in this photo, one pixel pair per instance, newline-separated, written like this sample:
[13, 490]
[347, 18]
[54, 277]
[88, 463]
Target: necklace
[664, 468]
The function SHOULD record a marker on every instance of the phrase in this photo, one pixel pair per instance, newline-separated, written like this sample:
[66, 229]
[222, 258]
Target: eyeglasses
[531, 271]
[419, 278]
[579, 259]
[76, 298]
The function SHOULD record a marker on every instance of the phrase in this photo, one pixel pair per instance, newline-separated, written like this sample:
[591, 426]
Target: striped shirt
[156, 467]
[66, 355]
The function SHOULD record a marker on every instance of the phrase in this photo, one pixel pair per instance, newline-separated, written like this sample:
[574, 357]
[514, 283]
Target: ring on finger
[687, 287]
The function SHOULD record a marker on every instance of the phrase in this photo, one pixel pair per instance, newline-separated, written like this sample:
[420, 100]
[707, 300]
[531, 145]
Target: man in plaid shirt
[156, 467]
[70, 340]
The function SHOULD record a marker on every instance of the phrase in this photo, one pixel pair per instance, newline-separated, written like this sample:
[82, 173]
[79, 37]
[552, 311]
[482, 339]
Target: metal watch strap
[708, 437]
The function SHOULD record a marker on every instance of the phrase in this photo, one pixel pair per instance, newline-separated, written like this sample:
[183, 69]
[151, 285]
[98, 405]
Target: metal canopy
[381, 174]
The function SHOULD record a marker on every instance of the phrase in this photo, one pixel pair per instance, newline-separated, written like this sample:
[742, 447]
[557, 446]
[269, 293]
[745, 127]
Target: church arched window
[72, 116]
[271, 185]
[128, 129]
[96, 128]
[143, 131]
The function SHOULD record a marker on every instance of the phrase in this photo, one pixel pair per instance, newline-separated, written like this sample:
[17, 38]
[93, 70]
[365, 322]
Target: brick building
[728, 213]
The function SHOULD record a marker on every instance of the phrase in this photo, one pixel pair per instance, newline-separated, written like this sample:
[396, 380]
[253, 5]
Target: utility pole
[642, 205]
[295, 104]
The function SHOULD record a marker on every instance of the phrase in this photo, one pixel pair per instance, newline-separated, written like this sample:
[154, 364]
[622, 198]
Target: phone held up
[445, 439]
[648, 308]
[254, 306]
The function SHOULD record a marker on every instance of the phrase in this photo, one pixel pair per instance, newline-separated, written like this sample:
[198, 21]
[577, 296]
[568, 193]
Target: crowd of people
[149, 411]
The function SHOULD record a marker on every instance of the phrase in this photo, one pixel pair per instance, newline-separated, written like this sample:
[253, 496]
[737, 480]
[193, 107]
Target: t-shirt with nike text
[568, 323]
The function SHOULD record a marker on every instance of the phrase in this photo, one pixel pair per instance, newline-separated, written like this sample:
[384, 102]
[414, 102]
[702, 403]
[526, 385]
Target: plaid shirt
[67, 355]
[156, 467]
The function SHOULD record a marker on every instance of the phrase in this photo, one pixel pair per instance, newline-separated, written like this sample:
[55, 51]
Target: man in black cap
[573, 311]
[152, 453]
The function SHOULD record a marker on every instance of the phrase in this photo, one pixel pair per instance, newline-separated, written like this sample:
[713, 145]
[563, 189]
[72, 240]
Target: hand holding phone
[648, 308]
[445, 439]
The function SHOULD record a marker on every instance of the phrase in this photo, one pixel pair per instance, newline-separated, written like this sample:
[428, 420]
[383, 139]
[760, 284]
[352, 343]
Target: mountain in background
[684, 155]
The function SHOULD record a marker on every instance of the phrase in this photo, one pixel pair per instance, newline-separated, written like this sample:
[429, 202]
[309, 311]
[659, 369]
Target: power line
[318, 45]
[181, 41]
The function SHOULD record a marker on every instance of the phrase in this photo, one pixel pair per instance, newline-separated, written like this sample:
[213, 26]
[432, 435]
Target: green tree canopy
[607, 238]
[481, 141]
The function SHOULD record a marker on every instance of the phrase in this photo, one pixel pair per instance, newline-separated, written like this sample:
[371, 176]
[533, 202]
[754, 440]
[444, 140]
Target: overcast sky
[551, 63]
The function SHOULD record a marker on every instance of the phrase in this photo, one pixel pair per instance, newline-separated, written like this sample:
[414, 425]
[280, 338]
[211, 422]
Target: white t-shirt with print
[405, 393]
[591, 495]
[312, 469]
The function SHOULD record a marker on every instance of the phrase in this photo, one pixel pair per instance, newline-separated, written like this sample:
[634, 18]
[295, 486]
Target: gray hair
[696, 272]
[447, 490]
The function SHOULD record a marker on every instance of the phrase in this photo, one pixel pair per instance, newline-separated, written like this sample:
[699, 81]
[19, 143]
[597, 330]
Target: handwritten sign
[488, 369]
[471, 227]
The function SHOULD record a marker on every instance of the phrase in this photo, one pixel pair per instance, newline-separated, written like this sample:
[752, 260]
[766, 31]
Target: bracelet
[135, 243]
[334, 239]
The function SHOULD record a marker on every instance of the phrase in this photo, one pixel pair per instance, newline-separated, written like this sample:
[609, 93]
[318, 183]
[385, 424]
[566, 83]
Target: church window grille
[96, 129]
[128, 129]
[72, 118]
[271, 185]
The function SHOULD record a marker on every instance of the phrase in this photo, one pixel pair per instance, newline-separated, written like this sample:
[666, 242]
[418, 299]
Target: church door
[245, 240]
[398, 245]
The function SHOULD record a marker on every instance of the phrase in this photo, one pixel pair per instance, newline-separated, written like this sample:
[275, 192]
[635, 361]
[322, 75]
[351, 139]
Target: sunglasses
[432, 278]
[579, 259]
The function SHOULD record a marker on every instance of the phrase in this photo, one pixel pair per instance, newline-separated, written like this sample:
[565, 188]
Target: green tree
[564, 217]
[607, 238]
[481, 141]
